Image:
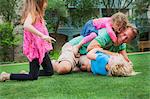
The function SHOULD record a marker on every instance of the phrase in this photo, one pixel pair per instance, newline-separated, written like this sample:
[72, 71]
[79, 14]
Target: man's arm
[124, 53]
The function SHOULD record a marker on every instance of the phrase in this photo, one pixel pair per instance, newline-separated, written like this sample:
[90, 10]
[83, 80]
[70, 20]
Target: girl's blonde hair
[120, 19]
[121, 67]
[35, 8]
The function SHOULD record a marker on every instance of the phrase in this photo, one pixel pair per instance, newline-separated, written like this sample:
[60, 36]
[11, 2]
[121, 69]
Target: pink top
[34, 46]
[105, 23]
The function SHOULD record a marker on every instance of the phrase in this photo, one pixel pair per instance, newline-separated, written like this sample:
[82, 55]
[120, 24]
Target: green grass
[81, 85]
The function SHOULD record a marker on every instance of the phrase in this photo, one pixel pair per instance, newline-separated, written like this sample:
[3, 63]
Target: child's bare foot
[23, 72]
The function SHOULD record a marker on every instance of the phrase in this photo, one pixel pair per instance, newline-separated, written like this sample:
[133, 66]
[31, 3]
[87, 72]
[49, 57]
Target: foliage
[113, 6]
[131, 48]
[141, 6]
[140, 17]
[7, 41]
[80, 85]
[7, 9]
[82, 10]
[55, 14]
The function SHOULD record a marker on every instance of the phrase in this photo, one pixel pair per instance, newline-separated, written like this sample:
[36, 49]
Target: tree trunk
[57, 25]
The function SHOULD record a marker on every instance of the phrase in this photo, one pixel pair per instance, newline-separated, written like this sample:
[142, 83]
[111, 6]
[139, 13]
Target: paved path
[14, 64]
[139, 53]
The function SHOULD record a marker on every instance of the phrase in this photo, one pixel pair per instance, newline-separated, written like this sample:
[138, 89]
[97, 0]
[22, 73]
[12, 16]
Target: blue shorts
[88, 28]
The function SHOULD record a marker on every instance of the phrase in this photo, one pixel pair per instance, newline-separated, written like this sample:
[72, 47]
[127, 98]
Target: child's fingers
[53, 39]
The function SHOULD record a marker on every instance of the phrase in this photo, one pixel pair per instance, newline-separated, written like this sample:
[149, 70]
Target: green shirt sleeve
[76, 40]
[122, 47]
[103, 38]
[118, 48]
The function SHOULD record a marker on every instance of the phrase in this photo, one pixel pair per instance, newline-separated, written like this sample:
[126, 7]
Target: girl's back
[102, 22]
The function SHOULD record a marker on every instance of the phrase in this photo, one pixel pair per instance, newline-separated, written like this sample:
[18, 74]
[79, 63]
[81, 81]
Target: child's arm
[28, 25]
[107, 52]
[91, 54]
[111, 33]
[92, 45]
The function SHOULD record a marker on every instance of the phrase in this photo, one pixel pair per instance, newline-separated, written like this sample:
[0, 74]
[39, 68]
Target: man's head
[128, 35]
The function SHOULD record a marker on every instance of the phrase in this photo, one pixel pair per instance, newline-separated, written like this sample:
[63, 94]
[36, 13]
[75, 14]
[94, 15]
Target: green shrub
[7, 42]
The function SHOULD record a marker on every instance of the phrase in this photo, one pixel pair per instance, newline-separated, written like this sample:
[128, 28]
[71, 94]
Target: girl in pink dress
[37, 42]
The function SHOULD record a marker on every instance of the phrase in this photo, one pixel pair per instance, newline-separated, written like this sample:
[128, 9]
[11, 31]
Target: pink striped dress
[33, 45]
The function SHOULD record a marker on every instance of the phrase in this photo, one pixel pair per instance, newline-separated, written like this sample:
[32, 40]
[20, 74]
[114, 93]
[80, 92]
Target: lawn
[81, 85]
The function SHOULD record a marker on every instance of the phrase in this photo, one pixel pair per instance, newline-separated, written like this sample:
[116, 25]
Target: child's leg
[47, 67]
[33, 73]
[64, 67]
[88, 38]
[88, 28]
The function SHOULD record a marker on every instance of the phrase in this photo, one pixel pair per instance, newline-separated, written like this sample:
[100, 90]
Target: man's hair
[134, 29]
[121, 68]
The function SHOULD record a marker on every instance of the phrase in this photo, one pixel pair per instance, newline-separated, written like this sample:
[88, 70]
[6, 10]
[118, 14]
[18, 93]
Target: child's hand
[115, 54]
[78, 46]
[131, 64]
[48, 39]
[76, 50]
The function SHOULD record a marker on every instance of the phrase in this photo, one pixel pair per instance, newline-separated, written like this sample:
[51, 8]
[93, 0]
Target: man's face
[126, 36]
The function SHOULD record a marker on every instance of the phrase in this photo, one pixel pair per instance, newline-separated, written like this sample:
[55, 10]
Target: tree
[141, 19]
[113, 6]
[82, 10]
[141, 8]
[56, 13]
[7, 42]
[7, 10]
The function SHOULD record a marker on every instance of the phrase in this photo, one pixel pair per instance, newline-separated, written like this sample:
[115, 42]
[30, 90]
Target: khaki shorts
[68, 55]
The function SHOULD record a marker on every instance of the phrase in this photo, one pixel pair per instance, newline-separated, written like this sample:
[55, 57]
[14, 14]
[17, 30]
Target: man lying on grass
[103, 62]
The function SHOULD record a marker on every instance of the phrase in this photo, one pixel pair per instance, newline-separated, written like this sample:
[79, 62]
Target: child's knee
[63, 68]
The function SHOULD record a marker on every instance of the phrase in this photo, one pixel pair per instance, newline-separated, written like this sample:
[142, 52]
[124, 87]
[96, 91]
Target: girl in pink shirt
[37, 42]
[114, 25]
